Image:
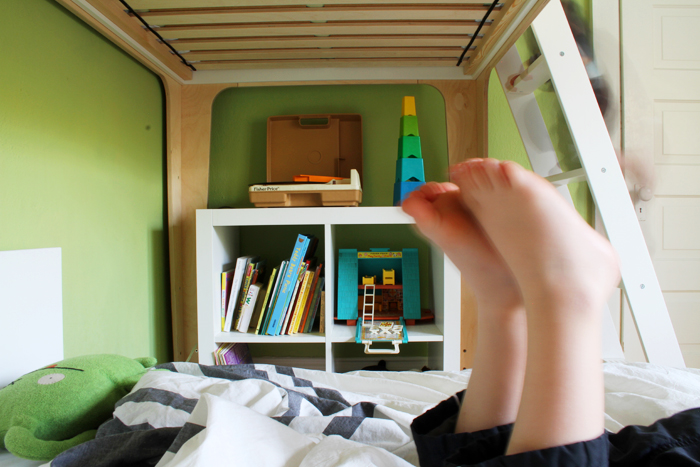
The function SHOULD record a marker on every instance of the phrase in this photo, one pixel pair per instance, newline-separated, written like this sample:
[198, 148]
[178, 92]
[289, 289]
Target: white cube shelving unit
[218, 245]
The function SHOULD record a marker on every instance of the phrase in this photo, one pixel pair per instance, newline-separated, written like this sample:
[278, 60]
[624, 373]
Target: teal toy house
[410, 173]
[354, 265]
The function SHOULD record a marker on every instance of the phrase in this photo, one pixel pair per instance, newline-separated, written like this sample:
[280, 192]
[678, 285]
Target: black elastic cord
[476, 34]
[148, 26]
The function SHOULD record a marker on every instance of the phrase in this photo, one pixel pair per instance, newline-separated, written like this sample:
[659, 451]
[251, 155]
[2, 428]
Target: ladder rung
[369, 293]
[564, 178]
[532, 78]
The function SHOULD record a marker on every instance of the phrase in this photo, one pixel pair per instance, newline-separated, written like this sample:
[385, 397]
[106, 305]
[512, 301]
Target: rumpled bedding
[185, 414]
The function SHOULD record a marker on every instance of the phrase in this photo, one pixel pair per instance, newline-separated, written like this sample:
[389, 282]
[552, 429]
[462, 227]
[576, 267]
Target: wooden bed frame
[287, 43]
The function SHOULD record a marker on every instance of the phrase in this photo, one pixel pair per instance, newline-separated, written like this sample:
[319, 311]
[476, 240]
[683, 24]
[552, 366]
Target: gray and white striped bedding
[185, 414]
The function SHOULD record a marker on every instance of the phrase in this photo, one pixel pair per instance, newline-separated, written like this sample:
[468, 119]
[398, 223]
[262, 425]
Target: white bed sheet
[8, 460]
[635, 393]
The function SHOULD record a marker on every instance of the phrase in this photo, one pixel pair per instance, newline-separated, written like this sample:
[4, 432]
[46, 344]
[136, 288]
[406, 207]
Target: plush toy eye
[51, 379]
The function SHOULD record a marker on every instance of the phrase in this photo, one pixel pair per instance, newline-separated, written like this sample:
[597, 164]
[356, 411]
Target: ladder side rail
[543, 159]
[607, 186]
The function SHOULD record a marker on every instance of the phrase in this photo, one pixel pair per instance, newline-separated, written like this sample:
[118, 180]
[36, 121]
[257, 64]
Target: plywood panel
[305, 29]
[173, 122]
[494, 45]
[322, 63]
[156, 4]
[336, 52]
[197, 101]
[467, 137]
[116, 14]
[326, 13]
[249, 43]
[177, 68]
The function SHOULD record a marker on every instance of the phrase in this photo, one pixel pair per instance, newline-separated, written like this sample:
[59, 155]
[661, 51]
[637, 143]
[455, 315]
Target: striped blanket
[185, 414]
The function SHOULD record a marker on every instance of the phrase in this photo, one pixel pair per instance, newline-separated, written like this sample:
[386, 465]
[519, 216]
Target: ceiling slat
[331, 63]
[322, 42]
[172, 4]
[500, 24]
[294, 14]
[320, 29]
[372, 52]
[239, 34]
[132, 28]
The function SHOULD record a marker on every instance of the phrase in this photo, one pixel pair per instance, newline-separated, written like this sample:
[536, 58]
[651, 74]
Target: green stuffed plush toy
[47, 411]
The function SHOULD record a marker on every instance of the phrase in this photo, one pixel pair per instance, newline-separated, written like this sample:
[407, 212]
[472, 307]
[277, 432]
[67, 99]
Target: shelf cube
[409, 125]
[409, 146]
[410, 170]
[402, 190]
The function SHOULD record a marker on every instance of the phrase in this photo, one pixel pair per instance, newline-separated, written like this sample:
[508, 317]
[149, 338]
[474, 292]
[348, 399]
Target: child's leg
[565, 271]
[495, 387]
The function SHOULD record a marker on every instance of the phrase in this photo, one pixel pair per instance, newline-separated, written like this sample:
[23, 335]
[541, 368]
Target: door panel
[661, 131]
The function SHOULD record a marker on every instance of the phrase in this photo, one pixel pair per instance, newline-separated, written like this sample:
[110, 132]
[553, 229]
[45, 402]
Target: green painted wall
[239, 134]
[81, 168]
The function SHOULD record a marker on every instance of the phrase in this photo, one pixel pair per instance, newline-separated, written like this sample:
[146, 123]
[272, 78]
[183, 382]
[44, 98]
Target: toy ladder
[368, 317]
[561, 62]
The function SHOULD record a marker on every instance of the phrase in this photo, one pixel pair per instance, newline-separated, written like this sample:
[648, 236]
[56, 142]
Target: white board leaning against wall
[31, 311]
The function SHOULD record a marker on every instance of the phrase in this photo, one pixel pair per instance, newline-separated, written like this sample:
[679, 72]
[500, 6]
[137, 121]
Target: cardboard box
[324, 145]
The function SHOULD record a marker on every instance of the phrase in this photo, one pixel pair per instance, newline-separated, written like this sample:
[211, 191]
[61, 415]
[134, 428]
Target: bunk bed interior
[201, 47]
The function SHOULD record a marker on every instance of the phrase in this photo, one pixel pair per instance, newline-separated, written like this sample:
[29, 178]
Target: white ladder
[561, 62]
[369, 293]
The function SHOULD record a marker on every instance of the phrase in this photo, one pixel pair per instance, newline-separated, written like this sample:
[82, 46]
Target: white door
[661, 130]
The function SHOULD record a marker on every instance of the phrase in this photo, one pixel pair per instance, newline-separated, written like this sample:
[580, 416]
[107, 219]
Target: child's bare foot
[495, 387]
[565, 271]
[440, 216]
[549, 248]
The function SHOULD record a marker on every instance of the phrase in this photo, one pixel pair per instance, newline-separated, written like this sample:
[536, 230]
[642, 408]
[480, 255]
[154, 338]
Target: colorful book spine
[248, 307]
[239, 273]
[244, 293]
[233, 354]
[288, 312]
[309, 300]
[322, 307]
[288, 283]
[226, 281]
[258, 320]
[301, 302]
[275, 296]
[315, 304]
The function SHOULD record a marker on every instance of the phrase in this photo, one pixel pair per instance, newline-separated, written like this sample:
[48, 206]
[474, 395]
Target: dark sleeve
[438, 445]
[670, 441]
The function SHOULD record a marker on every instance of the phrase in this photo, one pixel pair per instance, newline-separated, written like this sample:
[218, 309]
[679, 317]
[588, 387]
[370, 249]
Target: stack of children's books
[286, 302]
[232, 354]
